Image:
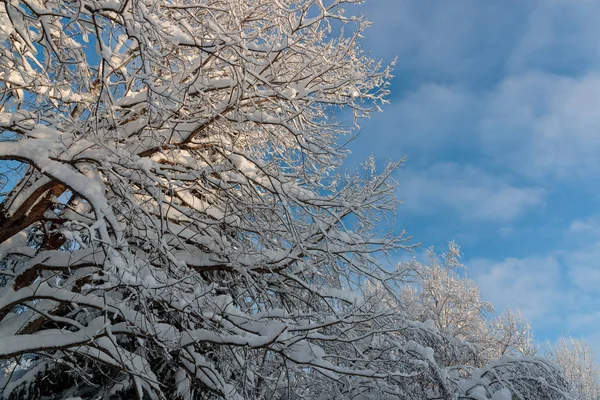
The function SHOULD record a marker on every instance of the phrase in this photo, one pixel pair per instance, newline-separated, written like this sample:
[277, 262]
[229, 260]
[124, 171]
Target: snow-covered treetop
[181, 188]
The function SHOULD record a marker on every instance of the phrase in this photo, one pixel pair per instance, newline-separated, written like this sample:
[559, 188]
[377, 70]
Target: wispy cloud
[467, 190]
[544, 125]
[560, 37]
[530, 284]
[558, 290]
[466, 40]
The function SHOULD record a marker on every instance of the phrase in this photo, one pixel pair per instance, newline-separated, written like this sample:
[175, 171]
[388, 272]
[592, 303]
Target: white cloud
[446, 40]
[545, 125]
[581, 254]
[431, 119]
[589, 226]
[584, 321]
[561, 37]
[537, 125]
[559, 290]
[519, 83]
[585, 277]
[467, 190]
[584, 266]
[530, 284]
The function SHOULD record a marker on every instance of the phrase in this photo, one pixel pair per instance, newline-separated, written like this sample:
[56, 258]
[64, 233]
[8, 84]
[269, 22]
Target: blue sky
[497, 106]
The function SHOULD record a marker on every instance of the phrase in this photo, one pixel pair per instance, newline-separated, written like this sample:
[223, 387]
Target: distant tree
[510, 334]
[577, 361]
[454, 332]
[437, 292]
[440, 294]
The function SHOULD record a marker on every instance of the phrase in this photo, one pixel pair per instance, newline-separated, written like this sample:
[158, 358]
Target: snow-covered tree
[173, 221]
[510, 334]
[577, 361]
[178, 227]
[449, 328]
[438, 292]
[453, 303]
